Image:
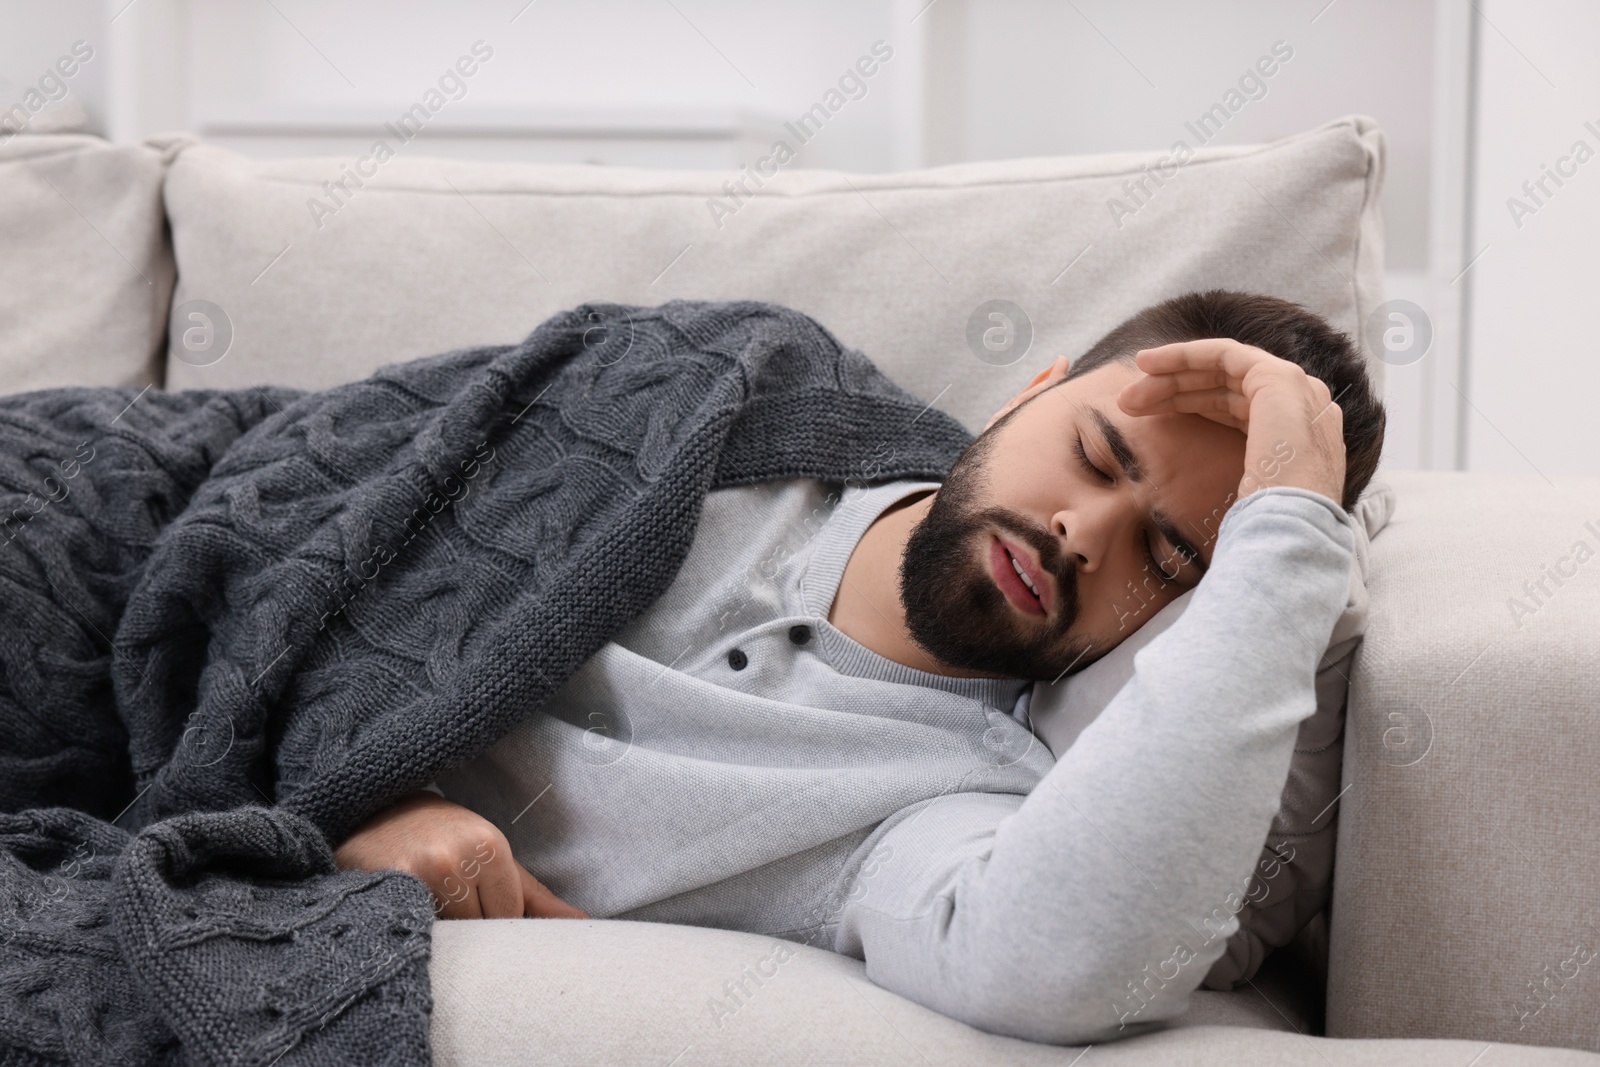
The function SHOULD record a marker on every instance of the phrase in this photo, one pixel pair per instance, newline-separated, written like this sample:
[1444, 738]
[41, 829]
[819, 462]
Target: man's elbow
[1088, 1019]
[1087, 1008]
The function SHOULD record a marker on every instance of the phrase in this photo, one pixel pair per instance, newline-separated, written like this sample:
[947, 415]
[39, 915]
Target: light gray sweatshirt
[733, 760]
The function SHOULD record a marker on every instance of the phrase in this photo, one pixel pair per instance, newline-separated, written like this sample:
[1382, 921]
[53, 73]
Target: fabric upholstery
[566, 991]
[427, 254]
[87, 273]
[1465, 897]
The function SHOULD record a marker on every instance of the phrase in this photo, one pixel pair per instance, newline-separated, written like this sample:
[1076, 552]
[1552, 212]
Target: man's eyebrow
[1169, 530]
[1116, 442]
[1123, 453]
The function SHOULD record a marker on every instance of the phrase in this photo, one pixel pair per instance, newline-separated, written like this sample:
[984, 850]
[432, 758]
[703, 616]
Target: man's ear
[1041, 381]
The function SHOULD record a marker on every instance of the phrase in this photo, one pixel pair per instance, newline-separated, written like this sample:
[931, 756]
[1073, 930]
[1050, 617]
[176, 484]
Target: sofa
[1461, 925]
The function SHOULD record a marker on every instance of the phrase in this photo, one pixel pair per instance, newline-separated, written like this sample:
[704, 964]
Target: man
[818, 732]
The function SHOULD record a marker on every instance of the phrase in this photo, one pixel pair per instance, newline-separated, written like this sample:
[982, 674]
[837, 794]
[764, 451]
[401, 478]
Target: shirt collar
[822, 574]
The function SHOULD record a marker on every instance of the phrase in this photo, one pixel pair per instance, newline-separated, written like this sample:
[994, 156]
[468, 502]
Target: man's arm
[1092, 908]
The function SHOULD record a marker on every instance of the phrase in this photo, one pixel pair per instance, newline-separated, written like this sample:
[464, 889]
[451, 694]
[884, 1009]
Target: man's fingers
[1153, 388]
[1211, 353]
[1275, 402]
[1219, 404]
[1223, 404]
[500, 888]
[539, 903]
[457, 899]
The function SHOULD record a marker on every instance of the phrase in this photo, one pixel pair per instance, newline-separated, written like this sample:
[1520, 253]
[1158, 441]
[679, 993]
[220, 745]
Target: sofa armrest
[1466, 899]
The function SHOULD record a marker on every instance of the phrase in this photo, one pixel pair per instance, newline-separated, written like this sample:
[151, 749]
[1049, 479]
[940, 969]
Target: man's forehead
[1102, 375]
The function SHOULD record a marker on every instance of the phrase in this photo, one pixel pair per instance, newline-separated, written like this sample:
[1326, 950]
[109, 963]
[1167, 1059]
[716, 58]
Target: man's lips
[1001, 553]
[1044, 583]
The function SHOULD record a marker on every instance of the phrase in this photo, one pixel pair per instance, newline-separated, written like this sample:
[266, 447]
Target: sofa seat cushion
[564, 991]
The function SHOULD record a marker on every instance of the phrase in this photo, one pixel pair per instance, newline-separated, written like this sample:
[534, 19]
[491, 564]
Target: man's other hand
[1294, 432]
[461, 856]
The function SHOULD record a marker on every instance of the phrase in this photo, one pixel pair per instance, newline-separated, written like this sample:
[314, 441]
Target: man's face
[1104, 552]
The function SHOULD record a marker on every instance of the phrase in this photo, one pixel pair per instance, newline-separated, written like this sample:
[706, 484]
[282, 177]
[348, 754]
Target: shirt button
[800, 635]
[737, 659]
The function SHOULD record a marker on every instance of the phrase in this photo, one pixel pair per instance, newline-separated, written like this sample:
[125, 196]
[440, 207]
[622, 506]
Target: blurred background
[1477, 98]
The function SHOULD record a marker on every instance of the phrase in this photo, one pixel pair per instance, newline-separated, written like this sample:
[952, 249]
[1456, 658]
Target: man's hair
[1284, 329]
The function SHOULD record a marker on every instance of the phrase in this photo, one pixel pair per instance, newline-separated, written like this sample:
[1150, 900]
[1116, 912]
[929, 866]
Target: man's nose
[1083, 531]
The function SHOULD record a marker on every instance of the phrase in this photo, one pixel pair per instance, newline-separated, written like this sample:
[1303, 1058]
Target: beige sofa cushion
[87, 269]
[428, 255]
[1466, 901]
[563, 991]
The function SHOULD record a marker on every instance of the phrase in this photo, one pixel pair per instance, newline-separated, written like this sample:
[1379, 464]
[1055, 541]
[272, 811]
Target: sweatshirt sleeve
[1090, 909]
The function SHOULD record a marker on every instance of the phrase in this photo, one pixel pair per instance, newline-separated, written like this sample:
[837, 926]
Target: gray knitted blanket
[236, 624]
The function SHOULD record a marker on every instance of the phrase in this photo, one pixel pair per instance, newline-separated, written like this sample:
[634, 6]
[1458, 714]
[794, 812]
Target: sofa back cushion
[309, 272]
[87, 273]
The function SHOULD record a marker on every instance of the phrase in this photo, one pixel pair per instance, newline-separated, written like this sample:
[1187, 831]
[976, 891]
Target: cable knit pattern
[240, 623]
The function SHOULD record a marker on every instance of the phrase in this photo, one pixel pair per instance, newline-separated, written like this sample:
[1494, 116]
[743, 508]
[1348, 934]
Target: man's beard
[953, 608]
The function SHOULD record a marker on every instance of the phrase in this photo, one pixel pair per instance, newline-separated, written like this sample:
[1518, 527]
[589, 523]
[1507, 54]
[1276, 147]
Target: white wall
[1043, 77]
[1006, 77]
[644, 82]
[34, 36]
[1534, 373]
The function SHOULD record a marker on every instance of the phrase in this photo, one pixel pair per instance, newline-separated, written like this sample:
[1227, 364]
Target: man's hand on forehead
[1294, 432]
